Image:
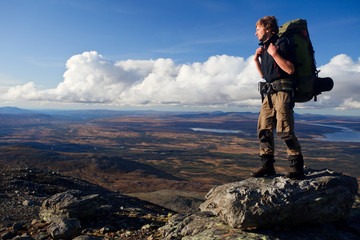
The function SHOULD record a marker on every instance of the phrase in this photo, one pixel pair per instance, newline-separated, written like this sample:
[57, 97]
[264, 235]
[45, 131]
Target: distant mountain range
[184, 114]
[13, 110]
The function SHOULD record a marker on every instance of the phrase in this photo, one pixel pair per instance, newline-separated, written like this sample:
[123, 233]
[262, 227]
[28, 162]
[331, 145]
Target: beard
[264, 38]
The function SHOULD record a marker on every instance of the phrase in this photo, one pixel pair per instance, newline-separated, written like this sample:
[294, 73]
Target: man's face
[261, 33]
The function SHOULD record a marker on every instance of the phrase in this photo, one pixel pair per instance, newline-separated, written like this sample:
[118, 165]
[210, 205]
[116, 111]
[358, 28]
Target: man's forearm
[284, 64]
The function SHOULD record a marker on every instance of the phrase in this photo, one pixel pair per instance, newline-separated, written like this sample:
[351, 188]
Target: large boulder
[69, 204]
[263, 202]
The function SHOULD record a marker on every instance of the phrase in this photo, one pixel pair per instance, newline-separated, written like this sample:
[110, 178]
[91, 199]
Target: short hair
[269, 23]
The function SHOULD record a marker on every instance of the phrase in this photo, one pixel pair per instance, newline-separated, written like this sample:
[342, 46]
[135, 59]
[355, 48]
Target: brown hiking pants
[281, 117]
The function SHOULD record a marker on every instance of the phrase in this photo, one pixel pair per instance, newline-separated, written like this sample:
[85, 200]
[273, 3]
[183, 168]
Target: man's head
[266, 27]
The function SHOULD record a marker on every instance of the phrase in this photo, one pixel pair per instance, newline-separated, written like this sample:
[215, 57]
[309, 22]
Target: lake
[216, 130]
[343, 135]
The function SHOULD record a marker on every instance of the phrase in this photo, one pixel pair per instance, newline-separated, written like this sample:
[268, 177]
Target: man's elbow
[291, 69]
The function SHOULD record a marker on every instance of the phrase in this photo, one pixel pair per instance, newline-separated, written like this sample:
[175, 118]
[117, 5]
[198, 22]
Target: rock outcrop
[256, 202]
[271, 207]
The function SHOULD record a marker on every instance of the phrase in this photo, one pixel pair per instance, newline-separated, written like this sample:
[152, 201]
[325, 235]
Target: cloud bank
[346, 75]
[219, 81]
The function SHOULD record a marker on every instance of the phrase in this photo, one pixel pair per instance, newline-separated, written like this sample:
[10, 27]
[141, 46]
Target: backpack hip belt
[266, 88]
[283, 85]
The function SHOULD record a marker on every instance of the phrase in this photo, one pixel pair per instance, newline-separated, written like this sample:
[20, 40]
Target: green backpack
[307, 83]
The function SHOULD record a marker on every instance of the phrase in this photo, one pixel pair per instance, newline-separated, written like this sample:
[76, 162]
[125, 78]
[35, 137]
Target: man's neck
[268, 38]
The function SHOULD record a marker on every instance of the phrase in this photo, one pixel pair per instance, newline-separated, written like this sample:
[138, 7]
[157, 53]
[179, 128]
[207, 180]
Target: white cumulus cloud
[219, 81]
[90, 78]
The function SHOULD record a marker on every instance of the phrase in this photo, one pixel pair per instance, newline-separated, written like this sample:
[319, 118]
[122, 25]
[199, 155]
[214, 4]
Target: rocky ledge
[322, 206]
[41, 205]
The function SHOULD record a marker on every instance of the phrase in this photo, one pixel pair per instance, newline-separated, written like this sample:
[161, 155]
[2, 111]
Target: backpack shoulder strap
[281, 40]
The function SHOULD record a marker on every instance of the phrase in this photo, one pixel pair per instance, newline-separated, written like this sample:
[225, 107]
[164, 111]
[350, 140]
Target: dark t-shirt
[269, 68]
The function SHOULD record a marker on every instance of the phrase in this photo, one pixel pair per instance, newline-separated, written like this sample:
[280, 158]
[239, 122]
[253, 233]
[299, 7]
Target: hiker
[273, 60]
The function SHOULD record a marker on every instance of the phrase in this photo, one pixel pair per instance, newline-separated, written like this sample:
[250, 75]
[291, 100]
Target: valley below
[158, 155]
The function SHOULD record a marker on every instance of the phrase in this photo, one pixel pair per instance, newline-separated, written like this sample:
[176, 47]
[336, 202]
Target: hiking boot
[296, 170]
[266, 168]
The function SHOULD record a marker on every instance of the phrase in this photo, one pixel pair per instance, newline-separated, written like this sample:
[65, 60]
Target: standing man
[273, 60]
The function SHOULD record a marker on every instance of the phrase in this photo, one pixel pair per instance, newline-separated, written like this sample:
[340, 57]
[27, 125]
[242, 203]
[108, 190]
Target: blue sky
[50, 47]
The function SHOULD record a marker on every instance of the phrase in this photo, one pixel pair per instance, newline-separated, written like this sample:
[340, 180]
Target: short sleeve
[286, 49]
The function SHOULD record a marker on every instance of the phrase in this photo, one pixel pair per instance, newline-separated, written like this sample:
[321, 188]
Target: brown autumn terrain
[142, 152]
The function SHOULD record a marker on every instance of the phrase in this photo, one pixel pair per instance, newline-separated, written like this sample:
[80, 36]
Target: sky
[178, 55]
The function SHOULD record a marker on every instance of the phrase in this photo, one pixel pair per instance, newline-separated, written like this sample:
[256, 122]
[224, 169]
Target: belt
[266, 88]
